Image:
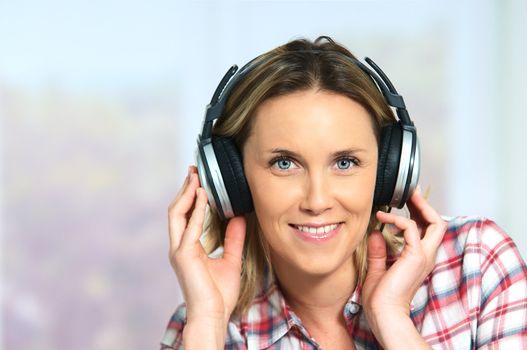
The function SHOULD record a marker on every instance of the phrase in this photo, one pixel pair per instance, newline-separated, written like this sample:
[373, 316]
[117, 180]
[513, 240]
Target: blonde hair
[295, 66]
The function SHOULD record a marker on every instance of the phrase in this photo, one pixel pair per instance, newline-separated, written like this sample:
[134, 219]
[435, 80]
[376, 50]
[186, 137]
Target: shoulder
[471, 234]
[173, 337]
[482, 251]
[493, 280]
[264, 322]
[477, 291]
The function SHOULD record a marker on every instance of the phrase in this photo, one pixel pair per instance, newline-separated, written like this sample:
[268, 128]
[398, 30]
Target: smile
[318, 233]
[316, 230]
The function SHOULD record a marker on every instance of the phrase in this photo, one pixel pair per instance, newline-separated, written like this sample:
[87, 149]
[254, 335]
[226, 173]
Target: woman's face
[311, 162]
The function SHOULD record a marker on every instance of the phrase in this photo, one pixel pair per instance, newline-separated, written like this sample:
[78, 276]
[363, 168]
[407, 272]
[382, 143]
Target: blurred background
[101, 103]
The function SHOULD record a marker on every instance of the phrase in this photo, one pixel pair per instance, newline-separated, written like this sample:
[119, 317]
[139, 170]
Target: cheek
[271, 195]
[356, 193]
[273, 198]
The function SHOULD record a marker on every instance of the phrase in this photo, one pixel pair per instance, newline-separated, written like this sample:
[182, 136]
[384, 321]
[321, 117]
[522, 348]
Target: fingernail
[189, 171]
[418, 189]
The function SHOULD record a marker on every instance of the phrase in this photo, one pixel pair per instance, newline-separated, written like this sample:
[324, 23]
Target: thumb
[234, 238]
[376, 253]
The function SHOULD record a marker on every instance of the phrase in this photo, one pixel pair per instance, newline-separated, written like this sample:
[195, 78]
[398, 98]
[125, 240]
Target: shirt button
[352, 308]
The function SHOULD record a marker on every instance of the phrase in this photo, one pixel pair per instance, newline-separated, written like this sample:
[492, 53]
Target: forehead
[313, 119]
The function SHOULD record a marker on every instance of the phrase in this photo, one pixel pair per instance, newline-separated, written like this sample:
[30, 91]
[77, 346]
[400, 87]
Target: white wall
[511, 119]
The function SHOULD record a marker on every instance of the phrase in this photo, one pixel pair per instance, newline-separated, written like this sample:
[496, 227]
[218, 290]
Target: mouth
[316, 229]
[316, 232]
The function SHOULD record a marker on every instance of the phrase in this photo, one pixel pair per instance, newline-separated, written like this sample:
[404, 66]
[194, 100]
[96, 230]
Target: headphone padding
[388, 166]
[231, 167]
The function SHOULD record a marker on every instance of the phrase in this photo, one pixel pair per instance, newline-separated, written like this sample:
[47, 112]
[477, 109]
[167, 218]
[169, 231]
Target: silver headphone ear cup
[409, 165]
[212, 181]
[416, 171]
[398, 166]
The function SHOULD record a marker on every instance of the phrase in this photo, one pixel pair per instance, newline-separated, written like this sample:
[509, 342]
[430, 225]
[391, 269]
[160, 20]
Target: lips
[316, 233]
[316, 229]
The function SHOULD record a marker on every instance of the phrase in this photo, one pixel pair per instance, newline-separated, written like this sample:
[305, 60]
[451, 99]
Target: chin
[316, 269]
[316, 264]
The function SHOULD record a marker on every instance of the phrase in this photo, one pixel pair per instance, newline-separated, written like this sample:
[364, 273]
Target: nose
[316, 194]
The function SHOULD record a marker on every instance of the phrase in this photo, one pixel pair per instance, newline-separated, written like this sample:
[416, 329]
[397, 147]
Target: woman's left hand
[387, 293]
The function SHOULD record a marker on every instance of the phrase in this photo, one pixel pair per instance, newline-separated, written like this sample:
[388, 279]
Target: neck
[317, 299]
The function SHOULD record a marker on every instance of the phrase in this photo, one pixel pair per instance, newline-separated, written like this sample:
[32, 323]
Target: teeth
[317, 230]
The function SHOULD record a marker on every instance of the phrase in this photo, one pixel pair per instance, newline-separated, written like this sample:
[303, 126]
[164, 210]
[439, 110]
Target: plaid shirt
[475, 298]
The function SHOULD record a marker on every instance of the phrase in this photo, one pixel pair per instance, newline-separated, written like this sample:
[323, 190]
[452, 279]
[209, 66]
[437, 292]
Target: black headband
[217, 104]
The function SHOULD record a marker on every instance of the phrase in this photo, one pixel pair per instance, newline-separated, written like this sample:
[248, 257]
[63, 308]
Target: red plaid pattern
[475, 298]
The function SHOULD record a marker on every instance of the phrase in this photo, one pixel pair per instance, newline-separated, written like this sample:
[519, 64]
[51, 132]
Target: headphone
[220, 165]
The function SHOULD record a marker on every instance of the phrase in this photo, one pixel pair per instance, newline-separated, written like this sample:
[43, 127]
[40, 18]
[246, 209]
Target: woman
[311, 267]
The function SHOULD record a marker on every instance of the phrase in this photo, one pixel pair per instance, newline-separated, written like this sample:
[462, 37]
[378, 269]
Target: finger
[415, 213]
[182, 189]
[234, 238]
[194, 170]
[433, 225]
[434, 235]
[195, 225]
[177, 215]
[190, 211]
[409, 227]
[376, 254]
[421, 206]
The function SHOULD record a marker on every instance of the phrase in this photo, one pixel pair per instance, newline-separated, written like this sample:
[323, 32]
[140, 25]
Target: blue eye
[283, 163]
[344, 164]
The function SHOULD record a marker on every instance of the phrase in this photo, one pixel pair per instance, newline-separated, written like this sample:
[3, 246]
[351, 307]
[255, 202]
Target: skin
[312, 187]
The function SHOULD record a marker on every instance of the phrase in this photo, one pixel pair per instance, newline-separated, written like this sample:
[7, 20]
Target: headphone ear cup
[388, 165]
[231, 168]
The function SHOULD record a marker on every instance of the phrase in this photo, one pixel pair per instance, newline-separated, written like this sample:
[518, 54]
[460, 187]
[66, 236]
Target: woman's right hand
[210, 286]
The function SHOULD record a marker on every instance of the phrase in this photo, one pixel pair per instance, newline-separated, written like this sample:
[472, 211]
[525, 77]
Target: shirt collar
[269, 318]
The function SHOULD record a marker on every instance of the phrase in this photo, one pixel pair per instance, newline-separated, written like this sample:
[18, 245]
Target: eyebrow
[341, 153]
